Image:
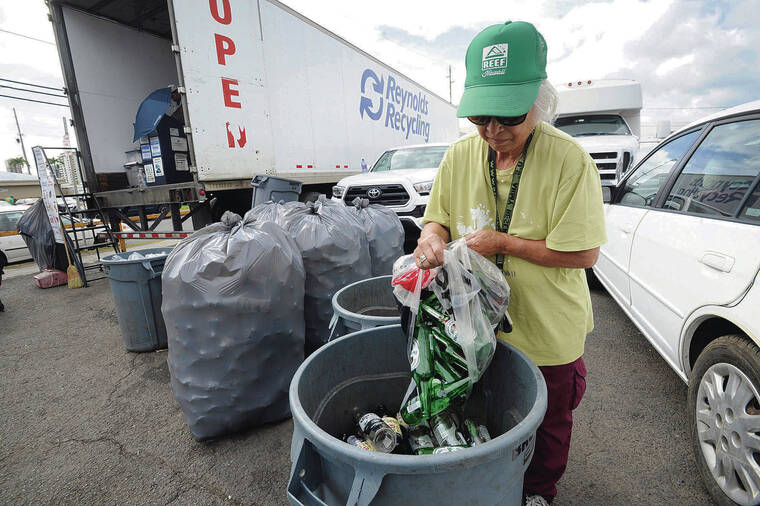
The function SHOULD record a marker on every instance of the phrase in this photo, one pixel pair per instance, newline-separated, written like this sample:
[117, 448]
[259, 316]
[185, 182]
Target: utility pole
[21, 140]
[450, 81]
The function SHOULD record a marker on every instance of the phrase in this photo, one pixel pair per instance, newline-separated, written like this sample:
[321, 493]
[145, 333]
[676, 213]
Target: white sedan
[682, 261]
[13, 244]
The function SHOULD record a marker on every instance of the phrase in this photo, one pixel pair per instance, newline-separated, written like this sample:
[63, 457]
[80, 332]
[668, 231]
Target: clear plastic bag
[471, 289]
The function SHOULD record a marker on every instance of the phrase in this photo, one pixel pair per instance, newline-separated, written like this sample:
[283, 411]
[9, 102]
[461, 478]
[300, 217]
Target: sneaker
[535, 500]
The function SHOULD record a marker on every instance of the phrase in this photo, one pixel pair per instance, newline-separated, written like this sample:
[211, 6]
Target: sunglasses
[502, 120]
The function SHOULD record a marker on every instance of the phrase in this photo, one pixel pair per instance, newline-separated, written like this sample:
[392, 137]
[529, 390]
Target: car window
[384, 162]
[600, 124]
[751, 210]
[416, 158]
[642, 186]
[8, 220]
[720, 172]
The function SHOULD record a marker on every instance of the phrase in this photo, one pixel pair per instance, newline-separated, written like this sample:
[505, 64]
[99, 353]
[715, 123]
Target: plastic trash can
[136, 289]
[276, 189]
[370, 367]
[362, 305]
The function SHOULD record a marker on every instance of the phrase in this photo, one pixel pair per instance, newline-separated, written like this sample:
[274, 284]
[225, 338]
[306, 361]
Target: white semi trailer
[605, 118]
[263, 90]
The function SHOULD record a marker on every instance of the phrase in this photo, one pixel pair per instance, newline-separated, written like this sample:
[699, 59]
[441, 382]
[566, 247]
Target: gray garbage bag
[233, 307]
[35, 229]
[335, 253]
[267, 211]
[385, 234]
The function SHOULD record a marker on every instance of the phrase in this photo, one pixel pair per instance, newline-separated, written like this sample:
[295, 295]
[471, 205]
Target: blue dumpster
[370, 367]
[136, 289]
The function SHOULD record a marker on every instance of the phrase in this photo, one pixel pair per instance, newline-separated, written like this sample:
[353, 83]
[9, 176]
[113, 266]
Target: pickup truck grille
[610, 162]
[601, 156]
[390, 194]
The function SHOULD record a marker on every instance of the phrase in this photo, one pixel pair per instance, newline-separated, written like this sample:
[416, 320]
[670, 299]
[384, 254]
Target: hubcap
[728, 428]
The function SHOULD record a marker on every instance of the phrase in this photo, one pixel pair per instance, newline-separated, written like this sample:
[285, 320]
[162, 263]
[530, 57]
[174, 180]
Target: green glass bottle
[442, 396]
[441, 449]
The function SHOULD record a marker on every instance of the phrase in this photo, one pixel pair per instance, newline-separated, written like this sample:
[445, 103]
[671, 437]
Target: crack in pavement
[190, 481]
[132, 368]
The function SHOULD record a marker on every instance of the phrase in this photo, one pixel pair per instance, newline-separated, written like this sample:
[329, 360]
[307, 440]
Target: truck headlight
[424, 187]
[338, 191]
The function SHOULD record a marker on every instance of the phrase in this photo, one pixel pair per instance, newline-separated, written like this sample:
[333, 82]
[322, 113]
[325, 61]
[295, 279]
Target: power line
[27, 37]
[30, 84]
[30, 100]
[32, 91]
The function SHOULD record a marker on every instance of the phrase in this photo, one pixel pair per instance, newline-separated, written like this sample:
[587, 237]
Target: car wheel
[724, 419]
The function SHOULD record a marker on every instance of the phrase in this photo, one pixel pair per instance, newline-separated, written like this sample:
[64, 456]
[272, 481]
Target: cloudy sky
[690, 56]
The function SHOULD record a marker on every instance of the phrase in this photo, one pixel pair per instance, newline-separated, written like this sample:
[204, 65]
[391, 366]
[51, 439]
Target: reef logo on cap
[494, 60]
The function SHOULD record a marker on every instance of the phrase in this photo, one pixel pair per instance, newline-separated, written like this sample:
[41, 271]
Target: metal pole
[21, 140]
[450, 81]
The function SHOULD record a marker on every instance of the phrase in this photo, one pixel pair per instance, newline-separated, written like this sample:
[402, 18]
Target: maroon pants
[565, 385]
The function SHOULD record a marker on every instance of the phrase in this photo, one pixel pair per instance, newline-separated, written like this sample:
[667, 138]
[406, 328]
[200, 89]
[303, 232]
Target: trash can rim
[110, 260]
[337, 308]
[404, 464]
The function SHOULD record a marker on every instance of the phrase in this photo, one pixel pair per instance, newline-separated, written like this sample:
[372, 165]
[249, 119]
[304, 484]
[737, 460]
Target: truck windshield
[413, 158]
[602, 124]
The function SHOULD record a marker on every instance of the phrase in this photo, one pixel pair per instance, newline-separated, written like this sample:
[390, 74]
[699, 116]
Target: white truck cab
[604, 116]
[401, 179]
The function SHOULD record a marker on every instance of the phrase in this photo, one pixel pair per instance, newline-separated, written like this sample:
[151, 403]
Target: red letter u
[226, 17]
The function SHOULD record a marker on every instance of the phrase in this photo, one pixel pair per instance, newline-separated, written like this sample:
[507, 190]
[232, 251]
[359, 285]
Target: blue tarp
[151, 111]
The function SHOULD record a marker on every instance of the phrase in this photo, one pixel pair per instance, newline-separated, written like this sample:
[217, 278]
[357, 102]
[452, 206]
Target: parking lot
[84, 421]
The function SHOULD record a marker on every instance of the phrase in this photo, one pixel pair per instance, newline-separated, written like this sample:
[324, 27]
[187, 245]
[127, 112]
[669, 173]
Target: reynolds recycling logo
[494, 60]
[405, 110]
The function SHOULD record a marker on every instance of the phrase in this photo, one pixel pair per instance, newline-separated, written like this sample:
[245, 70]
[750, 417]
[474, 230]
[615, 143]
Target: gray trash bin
[370, 367]
[276, 189]
[362, 305]
[136, 289]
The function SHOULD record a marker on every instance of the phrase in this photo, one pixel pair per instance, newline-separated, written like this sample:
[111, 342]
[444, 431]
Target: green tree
[16, 162]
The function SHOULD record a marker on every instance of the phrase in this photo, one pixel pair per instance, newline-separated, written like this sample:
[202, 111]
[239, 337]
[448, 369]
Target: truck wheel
[724, 419]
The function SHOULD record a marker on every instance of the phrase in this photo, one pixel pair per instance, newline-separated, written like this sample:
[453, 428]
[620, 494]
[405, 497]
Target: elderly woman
[529, 197]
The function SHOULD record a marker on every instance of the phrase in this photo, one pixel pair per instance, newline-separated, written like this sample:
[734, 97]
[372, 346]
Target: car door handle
[718, 261]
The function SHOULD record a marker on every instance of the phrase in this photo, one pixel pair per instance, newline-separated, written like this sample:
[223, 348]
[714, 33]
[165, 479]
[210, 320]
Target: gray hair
[546, 102]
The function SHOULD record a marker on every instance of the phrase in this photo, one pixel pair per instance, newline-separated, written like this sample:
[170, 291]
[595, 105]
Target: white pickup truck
[400, 179]
[604, 116]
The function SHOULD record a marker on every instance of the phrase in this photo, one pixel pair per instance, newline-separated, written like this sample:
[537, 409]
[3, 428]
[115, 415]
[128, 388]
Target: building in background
[21, 186]
[15, 165]
[70, 173]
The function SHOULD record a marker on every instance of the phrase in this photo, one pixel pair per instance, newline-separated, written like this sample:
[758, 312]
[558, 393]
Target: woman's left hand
[487, 242]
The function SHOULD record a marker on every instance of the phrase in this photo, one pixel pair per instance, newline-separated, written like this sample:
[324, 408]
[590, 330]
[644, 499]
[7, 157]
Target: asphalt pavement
[84, 421]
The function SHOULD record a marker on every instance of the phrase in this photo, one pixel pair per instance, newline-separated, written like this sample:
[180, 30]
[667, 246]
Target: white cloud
[31, 61]
[672, 64]
[678, 49]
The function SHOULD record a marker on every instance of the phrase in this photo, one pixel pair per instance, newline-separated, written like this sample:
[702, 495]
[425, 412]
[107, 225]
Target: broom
[71, 271]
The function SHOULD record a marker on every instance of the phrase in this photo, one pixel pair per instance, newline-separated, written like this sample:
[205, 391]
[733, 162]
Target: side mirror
[606, 194]
[608, 191]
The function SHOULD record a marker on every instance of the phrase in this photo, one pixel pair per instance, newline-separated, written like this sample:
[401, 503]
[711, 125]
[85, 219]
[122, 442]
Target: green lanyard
[503, 225]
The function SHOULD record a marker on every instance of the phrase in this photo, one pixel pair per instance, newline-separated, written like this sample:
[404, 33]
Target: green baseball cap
[505, 66]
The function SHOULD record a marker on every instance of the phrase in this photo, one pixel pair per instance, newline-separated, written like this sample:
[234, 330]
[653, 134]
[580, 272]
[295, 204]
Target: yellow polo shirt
[559, 200]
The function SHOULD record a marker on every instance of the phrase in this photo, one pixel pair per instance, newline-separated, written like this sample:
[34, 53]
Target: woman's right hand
[429, 251]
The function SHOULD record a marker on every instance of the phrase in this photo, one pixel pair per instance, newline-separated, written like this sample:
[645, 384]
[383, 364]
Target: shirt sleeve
[577, 221]
[438, 208]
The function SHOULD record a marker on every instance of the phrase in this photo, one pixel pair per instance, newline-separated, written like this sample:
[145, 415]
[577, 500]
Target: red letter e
[229, 92]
